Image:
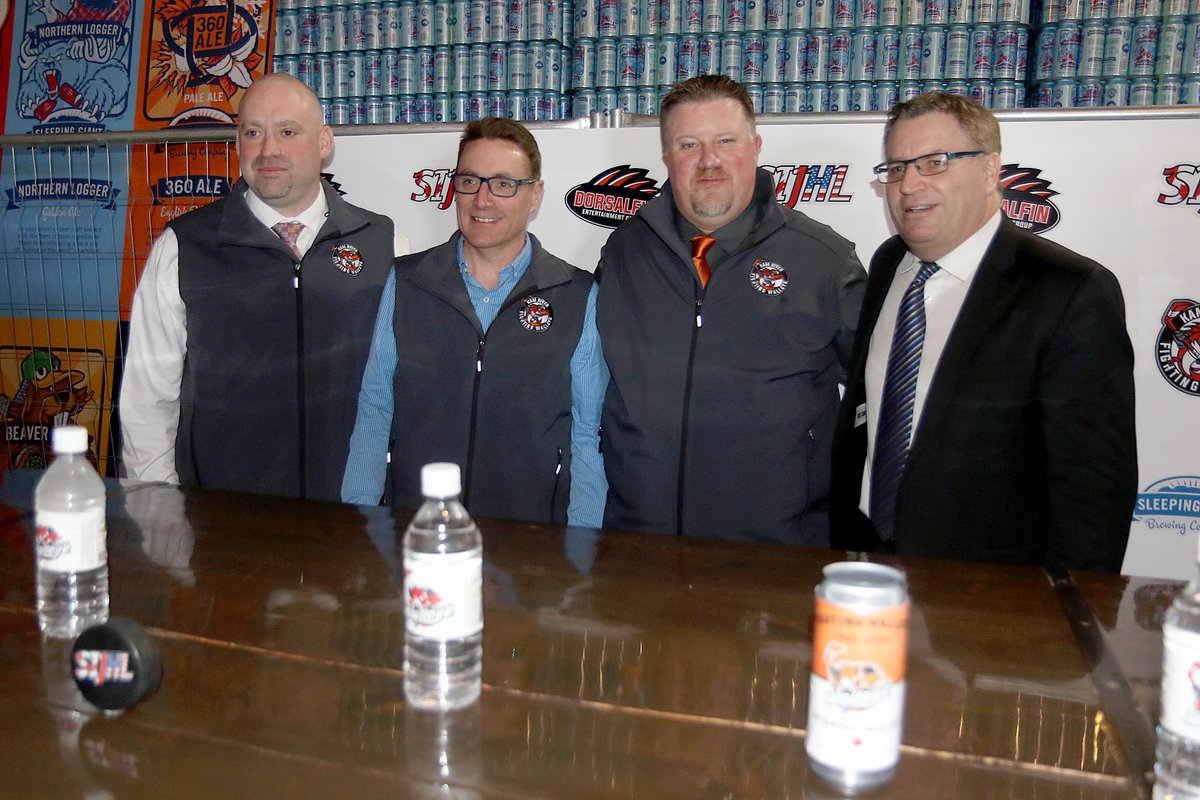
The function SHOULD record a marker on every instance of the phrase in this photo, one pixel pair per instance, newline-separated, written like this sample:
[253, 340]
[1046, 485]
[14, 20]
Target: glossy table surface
[615, 665]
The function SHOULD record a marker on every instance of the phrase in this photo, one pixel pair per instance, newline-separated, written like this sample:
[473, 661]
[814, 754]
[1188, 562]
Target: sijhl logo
[809, 183]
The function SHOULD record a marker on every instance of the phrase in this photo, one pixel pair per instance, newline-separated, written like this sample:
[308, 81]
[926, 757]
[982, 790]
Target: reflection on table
[615, 665]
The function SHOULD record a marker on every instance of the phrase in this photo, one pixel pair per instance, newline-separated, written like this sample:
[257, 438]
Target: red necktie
[700, 247]
[290, 233]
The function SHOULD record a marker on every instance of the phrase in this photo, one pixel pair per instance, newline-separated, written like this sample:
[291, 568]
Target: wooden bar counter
[615, 666]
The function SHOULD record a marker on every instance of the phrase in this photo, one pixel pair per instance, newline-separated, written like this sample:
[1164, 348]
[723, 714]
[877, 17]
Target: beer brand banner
[199, 57]
[1085, 180]
[73, 66]
[52, 373]
[165, 181]
[6, 38]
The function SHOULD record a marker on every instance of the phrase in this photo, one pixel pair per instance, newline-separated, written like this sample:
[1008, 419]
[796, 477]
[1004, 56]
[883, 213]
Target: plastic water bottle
[72, 552]
[1177, 767]
[443, 593]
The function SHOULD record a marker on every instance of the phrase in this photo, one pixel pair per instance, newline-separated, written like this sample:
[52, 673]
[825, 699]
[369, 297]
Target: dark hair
[506, 130]
[704, 88]
[976, 121]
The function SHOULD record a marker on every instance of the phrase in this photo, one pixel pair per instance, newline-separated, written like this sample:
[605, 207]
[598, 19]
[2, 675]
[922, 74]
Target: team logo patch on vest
[535, 314]
[768, 277]
[347, 258]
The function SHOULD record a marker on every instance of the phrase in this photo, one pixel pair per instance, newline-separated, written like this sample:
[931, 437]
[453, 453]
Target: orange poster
[54, 372]
[199, 56]
[167, 181]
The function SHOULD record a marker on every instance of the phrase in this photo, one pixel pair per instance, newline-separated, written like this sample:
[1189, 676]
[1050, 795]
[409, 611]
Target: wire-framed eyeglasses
[499, 186]
[928, 164]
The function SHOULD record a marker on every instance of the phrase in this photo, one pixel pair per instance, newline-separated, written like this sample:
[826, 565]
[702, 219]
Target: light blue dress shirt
[366, 467]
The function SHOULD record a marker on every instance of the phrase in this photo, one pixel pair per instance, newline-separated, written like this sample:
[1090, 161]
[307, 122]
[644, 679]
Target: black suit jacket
[1025, 451]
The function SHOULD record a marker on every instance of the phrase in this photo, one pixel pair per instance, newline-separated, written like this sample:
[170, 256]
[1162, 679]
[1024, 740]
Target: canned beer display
[835, 54]
[856, 693]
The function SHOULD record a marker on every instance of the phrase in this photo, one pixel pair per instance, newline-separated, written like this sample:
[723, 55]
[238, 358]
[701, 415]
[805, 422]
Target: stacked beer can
[1117, 53]
[425, 61]
[800, 55]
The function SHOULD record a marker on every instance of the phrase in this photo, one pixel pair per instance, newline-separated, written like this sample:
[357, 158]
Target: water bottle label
[1181, 682]
[71, 541]
[444, 594]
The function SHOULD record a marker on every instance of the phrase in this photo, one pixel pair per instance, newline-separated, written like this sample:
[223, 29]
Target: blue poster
[74, 66]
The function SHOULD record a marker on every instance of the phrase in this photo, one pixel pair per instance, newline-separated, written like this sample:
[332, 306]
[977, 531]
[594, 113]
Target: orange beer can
[856, 693]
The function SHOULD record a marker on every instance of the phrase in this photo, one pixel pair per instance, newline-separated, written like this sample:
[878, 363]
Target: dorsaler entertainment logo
[1026, 198]
[1171, 504]
[613, 196]
[809, 183]
[1178, 346]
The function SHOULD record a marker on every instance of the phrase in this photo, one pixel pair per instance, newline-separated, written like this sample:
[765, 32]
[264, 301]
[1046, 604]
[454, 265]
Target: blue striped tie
[894, 431]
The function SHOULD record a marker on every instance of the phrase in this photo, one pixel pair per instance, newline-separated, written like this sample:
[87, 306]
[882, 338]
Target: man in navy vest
[486, 355]
[726, 319]
[252, 320]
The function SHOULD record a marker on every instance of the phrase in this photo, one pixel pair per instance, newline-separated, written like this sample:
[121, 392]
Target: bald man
[252, 321]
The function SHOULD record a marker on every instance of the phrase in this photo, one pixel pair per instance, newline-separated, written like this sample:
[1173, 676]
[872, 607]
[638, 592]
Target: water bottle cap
[69, 439]
[116, 664]
[441, 480]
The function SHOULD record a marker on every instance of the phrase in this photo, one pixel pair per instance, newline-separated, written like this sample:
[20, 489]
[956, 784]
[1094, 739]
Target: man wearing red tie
[989, 412]
[252, 321]
[725, 319]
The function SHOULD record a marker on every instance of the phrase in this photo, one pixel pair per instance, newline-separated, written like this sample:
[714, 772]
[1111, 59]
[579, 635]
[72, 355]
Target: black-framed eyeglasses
[499, 186]
[928, 164]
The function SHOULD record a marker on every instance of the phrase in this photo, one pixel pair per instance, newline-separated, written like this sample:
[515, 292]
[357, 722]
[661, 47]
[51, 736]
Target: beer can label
[443, 592]
[856, 693]
[71, 541]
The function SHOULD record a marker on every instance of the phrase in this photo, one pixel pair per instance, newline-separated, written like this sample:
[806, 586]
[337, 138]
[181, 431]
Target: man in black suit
[989, 414]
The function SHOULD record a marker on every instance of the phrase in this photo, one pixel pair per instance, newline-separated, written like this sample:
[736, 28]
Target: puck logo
[347, 258]
[99, 667]
[1026, 198]
[1178, 346]
[613, 196]
[768, 277]
[535, 314]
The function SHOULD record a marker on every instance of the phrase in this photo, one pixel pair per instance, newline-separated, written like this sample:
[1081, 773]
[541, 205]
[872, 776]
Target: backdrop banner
[1120, 187]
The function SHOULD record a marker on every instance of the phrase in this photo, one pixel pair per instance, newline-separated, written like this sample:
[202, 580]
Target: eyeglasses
[928, 164]
[498, 186]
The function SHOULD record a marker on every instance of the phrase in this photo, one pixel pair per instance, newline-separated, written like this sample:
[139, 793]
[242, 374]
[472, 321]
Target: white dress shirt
[149, 404]
[945, 291]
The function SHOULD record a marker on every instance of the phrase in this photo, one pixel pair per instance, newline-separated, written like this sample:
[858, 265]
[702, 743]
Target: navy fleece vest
[508, 423]
[272, 372]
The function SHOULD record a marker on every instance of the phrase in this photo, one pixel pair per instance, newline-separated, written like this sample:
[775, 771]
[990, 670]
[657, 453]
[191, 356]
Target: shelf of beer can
[616, 18]
[429, 70]
[309, 27]
[980, 52]
[1138, 90]
[1120, 48]
[1055, 11]
[447, 107]
[816, 96]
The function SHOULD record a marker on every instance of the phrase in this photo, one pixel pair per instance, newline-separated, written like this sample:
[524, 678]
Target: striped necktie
[290, 233]
[894, 432]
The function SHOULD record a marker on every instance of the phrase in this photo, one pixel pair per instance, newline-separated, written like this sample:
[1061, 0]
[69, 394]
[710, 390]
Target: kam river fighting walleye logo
[612, 196]
[1026, 198]
[1178, 346]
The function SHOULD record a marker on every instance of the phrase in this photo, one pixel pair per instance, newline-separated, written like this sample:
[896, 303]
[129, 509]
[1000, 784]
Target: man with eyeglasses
[990, 410]
[729, 317]
[486, 355]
